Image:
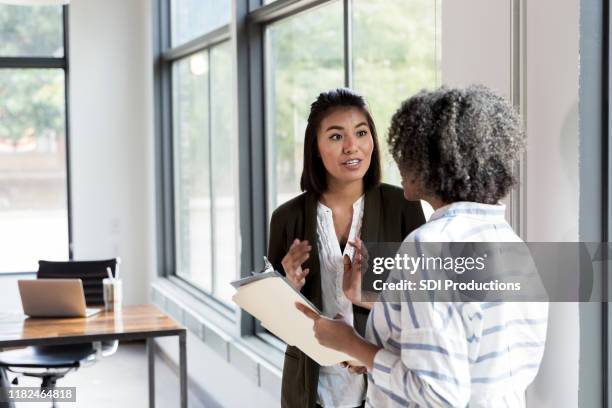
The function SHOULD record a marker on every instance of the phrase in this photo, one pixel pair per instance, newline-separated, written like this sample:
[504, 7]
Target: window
[34, 219]
[386, 50]
[194, 18]
[303, 56]
[192, 194]
[31, 31]
[393, 52]
[203, 141]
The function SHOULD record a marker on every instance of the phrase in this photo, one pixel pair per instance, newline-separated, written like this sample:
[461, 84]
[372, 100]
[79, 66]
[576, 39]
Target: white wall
[552, 188]
[111, 136]
[476, 48]
[476, 40]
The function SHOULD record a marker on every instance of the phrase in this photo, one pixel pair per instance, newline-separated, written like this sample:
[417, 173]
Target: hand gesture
[298, 253]
[351, 280]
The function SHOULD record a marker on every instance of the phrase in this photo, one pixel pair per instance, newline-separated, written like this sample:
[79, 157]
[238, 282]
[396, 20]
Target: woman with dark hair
[456, 149]
[343, 201]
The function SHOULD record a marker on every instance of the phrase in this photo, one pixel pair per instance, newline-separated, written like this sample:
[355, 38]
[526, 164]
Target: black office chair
[54, 362]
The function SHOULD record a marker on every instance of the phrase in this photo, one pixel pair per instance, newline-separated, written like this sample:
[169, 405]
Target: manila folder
[272, 301]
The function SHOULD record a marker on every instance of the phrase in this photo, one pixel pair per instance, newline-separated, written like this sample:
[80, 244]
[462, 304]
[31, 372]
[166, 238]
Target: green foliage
[32, 103]
[28, 31]
[305, 58]
[394, 56]
[32, 99]
[394, 52]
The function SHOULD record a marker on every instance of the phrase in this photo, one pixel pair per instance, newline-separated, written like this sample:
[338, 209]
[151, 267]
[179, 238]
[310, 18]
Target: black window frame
[165, 56]
[27, 62]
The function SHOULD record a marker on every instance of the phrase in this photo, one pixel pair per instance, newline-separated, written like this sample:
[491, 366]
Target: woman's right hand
[298, 253]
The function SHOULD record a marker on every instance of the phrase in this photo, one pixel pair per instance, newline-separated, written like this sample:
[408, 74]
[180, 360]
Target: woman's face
[345, 144]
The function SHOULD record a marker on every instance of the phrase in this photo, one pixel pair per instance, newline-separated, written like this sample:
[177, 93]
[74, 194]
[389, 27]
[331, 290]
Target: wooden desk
[141, 322]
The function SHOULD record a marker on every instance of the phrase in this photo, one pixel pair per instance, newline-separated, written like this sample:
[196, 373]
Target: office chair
[57, 361]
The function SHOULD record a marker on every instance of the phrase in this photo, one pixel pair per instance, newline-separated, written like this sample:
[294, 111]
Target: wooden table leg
[151, 364]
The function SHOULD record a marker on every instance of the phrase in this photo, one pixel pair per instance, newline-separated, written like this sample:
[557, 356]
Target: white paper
[272, 301]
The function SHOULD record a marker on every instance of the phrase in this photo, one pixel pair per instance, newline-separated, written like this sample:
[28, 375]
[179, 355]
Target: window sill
[19, 274]
[255, 358]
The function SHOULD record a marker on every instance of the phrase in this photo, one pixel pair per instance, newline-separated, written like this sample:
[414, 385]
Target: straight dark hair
[314, 175]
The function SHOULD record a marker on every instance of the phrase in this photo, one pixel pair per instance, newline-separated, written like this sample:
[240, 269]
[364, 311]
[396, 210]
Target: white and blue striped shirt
[456, 353]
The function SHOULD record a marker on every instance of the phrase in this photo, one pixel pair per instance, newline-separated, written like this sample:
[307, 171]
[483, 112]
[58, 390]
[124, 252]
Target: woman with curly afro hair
[456, 149]
[457, 145]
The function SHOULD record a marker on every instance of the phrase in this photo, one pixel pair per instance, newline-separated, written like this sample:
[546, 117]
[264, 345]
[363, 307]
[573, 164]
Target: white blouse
[337, 387]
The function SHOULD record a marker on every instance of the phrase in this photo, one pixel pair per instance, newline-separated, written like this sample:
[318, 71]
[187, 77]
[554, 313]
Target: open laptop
[54, 298]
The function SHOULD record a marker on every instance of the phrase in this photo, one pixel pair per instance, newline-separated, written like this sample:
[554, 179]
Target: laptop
[54, 298]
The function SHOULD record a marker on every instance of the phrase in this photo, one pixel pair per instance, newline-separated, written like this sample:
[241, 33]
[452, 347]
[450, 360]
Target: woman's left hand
[351, 279]
[332, 333]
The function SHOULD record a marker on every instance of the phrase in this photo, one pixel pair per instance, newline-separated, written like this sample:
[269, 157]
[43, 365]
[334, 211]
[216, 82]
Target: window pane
[395, 54]
[31, 31]
[33, 209]
[191, 169]
[193, 18]
[304, 56]
[224, 145]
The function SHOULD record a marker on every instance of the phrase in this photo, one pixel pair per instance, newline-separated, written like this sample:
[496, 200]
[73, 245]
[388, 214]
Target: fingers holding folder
[331, 333]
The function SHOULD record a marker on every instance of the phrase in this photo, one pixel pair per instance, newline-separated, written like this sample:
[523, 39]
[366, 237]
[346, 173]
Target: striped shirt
[456, 353]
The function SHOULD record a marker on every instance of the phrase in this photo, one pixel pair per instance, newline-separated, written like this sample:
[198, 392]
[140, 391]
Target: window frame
[37, 62]
[165, 56]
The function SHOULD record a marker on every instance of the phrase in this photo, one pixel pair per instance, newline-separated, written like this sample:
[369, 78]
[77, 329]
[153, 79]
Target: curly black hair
[461, 144]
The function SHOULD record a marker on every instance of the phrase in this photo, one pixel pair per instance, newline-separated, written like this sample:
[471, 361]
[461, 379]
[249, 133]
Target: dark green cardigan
[387, 217]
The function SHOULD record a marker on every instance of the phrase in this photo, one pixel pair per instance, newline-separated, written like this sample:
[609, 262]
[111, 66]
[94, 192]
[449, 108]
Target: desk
[141, 322]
